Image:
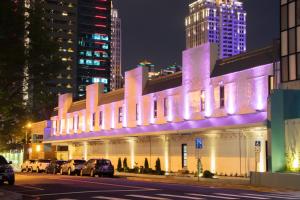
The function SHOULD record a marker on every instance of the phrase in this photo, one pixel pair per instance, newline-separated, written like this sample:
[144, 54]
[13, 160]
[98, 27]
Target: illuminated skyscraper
[217, 21]
[116, 44]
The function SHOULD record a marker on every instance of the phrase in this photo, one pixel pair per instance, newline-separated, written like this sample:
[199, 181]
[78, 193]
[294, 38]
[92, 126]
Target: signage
[257, 146]
[199, 143]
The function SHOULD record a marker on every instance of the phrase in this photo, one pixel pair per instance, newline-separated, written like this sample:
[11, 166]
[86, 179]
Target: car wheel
[92, 174]
[26, 169]
[11, 181]
[69, 172]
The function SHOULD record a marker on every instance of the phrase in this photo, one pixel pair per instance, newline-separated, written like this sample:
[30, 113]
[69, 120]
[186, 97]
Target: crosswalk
[197, 196]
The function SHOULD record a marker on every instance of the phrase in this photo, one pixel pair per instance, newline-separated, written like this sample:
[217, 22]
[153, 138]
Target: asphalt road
[57, 187]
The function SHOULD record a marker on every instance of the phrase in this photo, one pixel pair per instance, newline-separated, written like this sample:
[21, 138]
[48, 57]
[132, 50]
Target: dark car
[6, 172]
[55, 166]
[98, 167]
[72, 167]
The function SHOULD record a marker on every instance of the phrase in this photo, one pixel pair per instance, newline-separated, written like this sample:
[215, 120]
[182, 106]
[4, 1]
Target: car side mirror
[10, 162]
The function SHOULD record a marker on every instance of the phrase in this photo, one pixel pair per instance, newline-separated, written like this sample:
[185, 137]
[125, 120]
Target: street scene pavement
[57, 187]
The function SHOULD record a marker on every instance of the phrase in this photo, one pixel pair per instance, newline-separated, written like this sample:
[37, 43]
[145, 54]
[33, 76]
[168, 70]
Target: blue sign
[199, 143]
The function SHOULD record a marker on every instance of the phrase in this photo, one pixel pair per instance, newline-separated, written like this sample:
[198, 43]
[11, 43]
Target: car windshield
[79, 161]
[3, 161]
[44, 161]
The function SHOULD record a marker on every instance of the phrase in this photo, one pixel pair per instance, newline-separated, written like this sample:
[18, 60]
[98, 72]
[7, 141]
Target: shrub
[119, 167]
[125, 166]
[207, 174]
[157, 166]
[146, 164]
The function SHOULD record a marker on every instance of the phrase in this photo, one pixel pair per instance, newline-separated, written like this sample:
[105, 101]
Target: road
[57, 187]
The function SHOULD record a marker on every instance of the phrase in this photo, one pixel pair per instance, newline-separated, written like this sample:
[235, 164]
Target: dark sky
[154, 29]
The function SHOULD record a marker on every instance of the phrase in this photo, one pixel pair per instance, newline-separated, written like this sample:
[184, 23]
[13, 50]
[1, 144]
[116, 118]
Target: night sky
[154, 29]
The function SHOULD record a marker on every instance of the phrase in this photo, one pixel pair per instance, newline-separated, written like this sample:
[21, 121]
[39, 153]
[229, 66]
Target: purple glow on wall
[231, 95]
[260, 94]
[170, 116]
[125, 113]
[112, 124]
[186, 108]
[209, 102]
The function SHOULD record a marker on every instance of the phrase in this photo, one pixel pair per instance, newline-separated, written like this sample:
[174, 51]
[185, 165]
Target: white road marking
[30, 187]
[179, 196]
[92, 191]
[109, 198]
[147, 197]
[212, 196]
[241, 196]
[273, 196]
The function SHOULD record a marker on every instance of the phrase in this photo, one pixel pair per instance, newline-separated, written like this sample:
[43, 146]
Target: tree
[119, 167]
[12, 110]
[146, 164]
[157, 166]
[125, 164]
[44, 63]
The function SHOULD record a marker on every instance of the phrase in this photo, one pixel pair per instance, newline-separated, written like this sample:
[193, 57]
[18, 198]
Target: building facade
[222, 102]
[217, 21]
[116, 51]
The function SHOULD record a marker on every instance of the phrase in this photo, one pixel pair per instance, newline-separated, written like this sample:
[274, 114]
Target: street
[57, 187]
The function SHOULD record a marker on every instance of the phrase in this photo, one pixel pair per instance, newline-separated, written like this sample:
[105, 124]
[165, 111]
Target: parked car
[40, 165]
[27, 165]
[72, 167]
[55, 166]
[98, 167]
[6, 171]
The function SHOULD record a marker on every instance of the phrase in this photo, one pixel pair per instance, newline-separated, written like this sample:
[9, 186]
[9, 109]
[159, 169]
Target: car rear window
[3, 161]
[79, 161]
[104, 162]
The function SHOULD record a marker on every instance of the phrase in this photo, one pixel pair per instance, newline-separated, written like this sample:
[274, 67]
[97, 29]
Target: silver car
[72, 167]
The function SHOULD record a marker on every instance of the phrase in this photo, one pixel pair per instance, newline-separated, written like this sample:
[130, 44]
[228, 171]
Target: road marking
[179, 196]
[273, 196]
[212, 196]
[242, 196]
[109, 198]
[146, 197]
[92, 191]
[99, 183]
[30, 187]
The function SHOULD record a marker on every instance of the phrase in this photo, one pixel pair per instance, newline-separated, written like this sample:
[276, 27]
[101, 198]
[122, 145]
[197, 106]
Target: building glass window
[284, 43]
[120, 114]
[284, 69]
[93, 119]
[165, 107]
[202, 100]
[292, 41]
[292, 15]
[292, 67]
[184, 155]
[298, 38]
[284, 12]
[155, 108]
[100, 118]
[298, 12]
[222, 96]
[298, 66]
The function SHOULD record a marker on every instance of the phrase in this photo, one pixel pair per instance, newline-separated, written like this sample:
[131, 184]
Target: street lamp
[28, 126]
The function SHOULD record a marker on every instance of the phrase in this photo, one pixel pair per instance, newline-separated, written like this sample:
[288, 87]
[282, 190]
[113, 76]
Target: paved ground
[57, 187]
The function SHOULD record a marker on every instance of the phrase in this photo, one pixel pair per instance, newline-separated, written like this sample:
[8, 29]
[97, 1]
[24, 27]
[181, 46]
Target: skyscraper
[217, 21]
[116, 59]
[83, 31]
[290, 42]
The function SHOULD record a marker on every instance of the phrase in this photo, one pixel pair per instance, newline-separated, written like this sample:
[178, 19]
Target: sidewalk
[220, 182]
[6, 195]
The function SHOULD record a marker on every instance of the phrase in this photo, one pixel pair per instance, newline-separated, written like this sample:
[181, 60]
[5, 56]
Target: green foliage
[158, 166]
[119, 167]
[125, 166]
[207, 174]
[146, 164]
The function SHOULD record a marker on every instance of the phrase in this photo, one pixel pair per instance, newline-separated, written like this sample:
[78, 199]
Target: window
[184, 155]
[165, 107]
[284, 69]
[292, 41]
[292, 67]
[298, 39]
[155, 108]
[298, 66]
[93, 119]
[284, 12]
[202, 100]
[120, 114]
[222, 96]
[136, 112]
[298, 12]
[100, 118]
[292, 15]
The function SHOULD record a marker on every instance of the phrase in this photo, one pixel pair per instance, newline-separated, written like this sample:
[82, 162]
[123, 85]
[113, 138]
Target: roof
[77, 106]
[247, 60]
[163, 83]
[114, 96]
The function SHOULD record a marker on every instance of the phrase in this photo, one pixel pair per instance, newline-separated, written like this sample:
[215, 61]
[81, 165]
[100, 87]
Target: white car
[27, 165]
[40, 165]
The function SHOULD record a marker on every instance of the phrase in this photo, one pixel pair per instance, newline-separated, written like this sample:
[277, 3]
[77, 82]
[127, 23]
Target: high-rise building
[116, 59]
[83, 31]
[217, 21]
[290, 42]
